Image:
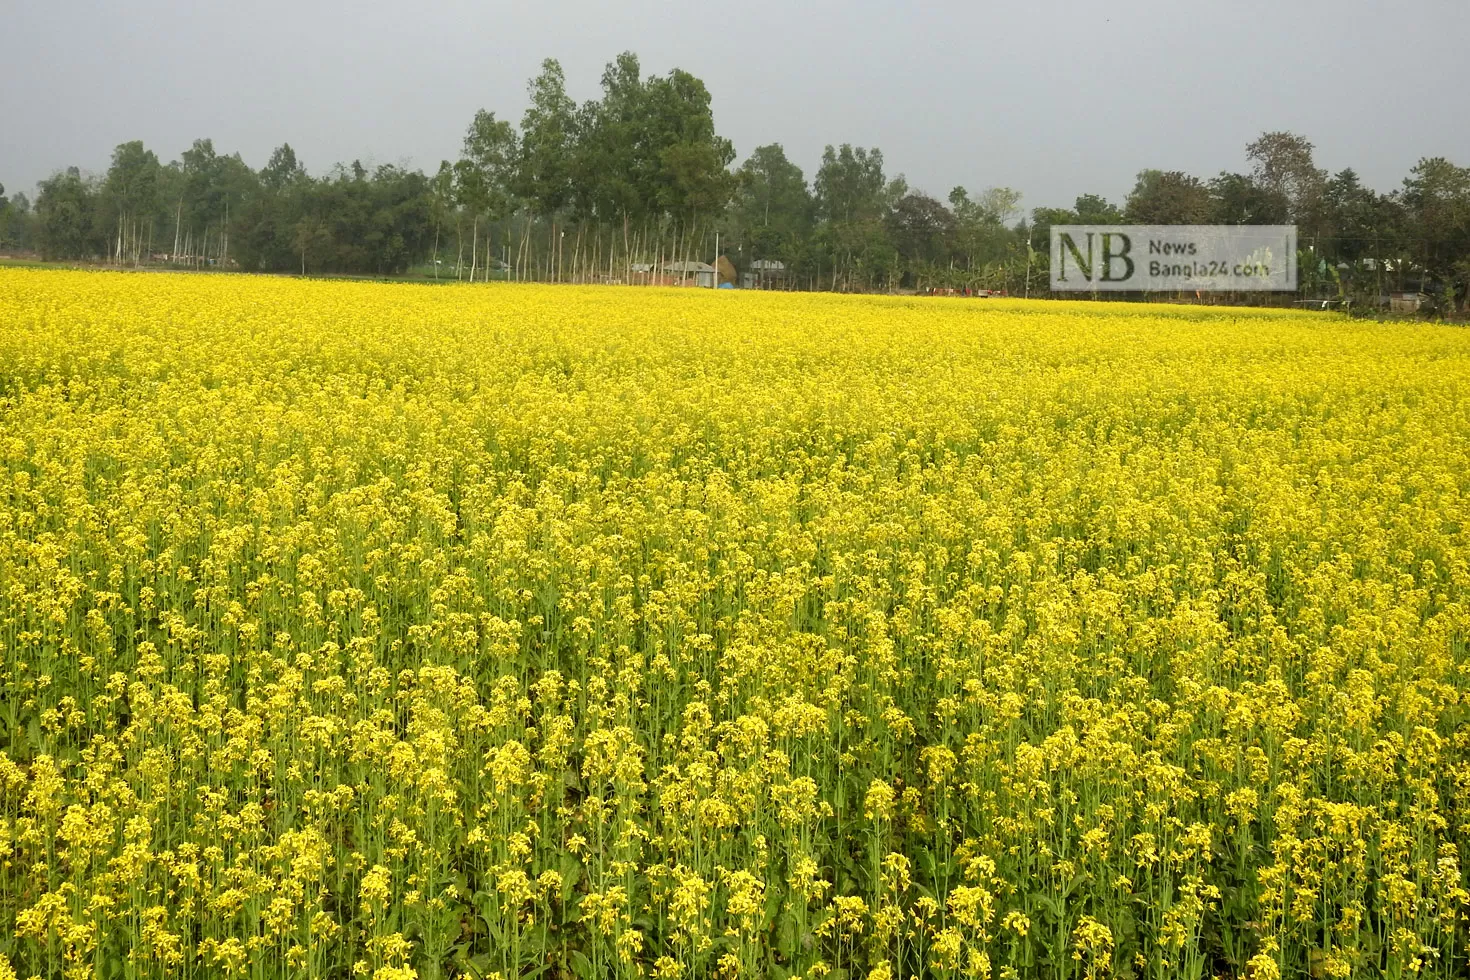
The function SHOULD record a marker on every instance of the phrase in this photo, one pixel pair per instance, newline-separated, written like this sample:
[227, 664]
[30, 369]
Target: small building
[691, 273]
[764, 274]
[1405, 302]
[646, 274]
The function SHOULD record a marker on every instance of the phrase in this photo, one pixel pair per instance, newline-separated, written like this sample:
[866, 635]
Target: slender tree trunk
[474, 247]
[520, 246]
[686, 253]
[435, 257]
[528, 263]
[689, 252]
[520, 251]
[695, 233]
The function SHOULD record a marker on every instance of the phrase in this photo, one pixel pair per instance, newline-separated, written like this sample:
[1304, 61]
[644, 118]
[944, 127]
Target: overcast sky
[1052, 98]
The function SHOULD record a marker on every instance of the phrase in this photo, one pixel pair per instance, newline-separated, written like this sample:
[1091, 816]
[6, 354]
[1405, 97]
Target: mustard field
[389, 631]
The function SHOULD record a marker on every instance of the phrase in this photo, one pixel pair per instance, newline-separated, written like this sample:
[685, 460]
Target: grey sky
[1052, 98]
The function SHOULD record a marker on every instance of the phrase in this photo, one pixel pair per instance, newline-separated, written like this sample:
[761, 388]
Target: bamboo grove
[397, 631]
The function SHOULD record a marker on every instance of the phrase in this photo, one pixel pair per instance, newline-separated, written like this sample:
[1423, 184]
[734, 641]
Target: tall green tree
[1283, 166]
[204, 194]
[693, 174]
[283, 171]
[1237, 199]
[649, 162]
[1168, 198]
[616, 165]
[981, 235]
[129, 198]
[15, 221]
[921, 230]
[1436, 195]
[849, 184]
[66, 210]
[1094, 209]
[548, 142]
[441, 206]
[852, 196]
[773, 207]
[484, 178]
[267, 232]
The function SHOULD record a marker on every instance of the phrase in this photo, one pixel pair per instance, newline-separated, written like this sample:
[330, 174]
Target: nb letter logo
[1114, 248]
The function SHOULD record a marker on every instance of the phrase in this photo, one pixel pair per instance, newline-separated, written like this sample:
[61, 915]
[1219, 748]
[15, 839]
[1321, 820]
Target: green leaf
[788, 935]
[1051, 906]
[581, 965]
[1077, 881]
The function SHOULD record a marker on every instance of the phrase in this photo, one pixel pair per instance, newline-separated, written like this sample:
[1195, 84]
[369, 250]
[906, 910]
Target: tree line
[638, 181]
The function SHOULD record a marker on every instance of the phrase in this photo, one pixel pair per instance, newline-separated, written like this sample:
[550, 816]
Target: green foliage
[920, 229]
[640, 175]
[1171, 198]
[65, 211]
[548, 133]
[486, 173]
